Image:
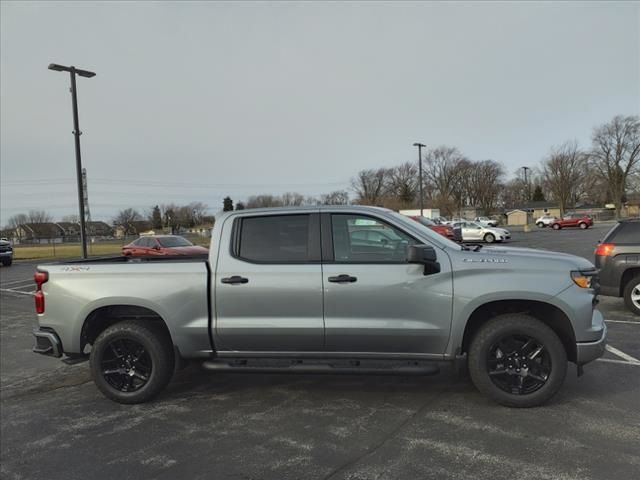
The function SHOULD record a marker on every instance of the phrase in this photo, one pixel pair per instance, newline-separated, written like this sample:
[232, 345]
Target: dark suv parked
[6, 252]
[618, 258]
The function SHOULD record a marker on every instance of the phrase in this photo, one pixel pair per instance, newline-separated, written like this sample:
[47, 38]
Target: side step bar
[329, 367]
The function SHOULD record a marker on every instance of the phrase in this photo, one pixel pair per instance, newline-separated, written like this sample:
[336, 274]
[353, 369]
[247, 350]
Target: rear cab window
[274, 239]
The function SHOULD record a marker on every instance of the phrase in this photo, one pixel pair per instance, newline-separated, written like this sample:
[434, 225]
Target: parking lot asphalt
[55, 424]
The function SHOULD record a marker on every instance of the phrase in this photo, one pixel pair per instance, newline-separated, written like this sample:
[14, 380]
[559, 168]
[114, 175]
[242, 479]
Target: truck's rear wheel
[517, 360]
[132, 362]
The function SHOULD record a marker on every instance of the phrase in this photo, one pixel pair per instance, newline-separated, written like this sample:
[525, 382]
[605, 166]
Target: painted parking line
[619, 362]
[623, 321]
[19, 292]
[15, 282]
[621, 354]
[626, 358]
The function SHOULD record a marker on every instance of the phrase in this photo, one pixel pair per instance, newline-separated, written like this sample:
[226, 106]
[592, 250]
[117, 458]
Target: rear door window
[274, 239]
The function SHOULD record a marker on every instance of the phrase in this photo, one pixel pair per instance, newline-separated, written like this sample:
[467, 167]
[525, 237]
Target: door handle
[343, 279]
[235, 279]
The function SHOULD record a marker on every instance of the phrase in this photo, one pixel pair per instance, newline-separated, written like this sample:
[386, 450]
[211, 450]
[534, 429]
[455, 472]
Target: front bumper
[47, 342]
[589, 351]
[8, 253]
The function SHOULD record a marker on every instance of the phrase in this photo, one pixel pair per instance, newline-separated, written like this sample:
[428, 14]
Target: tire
[540, 225]
[115, 349]
[550, 362]
[632, 294]
[7, 262]
[583, 225]
[556, 226]
[489, 238]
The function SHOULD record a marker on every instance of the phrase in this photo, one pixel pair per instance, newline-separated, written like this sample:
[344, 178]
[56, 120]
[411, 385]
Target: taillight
[605, 249]
[40, 278]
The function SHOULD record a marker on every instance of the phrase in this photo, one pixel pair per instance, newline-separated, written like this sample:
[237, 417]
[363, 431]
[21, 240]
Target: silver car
[475, 232]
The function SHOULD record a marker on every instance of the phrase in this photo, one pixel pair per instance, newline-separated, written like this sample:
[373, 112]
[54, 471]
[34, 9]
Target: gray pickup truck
[326, 289]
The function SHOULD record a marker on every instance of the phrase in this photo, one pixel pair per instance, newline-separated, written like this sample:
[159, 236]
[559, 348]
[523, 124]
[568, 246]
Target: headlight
[583, 279]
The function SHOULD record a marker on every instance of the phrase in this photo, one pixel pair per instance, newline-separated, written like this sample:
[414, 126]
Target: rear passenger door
[268, 284]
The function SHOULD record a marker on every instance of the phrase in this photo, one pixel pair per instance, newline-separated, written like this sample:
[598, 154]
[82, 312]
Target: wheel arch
[627, 275]
[104, 316]
[549, 314]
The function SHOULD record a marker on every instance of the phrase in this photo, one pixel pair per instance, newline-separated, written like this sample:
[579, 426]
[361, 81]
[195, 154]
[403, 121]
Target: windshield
[426, 231]
[424, 221]
[171, 242]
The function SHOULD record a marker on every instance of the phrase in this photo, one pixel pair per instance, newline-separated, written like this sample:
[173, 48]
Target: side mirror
[424, 255]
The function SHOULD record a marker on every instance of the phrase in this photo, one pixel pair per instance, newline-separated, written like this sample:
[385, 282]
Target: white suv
[545, 220]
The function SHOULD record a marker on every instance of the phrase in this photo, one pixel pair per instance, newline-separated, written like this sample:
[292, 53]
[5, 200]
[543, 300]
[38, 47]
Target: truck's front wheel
[132, 362]
[517, 360]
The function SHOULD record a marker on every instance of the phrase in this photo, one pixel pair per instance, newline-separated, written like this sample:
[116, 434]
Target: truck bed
[174, 288]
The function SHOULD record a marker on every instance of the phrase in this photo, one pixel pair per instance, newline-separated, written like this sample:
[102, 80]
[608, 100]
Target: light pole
[420, 147]
[73, 71]
[526, 183]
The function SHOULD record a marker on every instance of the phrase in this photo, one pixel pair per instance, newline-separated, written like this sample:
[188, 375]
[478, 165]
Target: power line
[161, 183]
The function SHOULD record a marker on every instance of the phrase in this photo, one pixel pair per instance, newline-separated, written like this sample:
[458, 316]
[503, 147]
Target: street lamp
[526, 183]
[420, 147]
[73, 71]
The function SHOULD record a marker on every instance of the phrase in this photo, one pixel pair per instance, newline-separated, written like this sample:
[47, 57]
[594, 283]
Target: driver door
[374, 301]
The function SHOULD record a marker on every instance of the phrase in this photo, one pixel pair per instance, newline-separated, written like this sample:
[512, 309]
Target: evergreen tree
[156, 217]
[538, 196]
[227, 204]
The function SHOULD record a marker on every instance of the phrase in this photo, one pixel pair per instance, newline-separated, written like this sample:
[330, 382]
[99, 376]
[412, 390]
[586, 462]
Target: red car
[444, 230]
[572, 220]
[162, 245]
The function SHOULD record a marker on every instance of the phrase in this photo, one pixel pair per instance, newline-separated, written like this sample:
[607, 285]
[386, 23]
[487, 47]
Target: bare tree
[198, 211]
[292, 199]
[512, 194]
[17, 220]
[483, 181]
[616, 154]
[39, 216]
[443, 169]
[370, 186]
[125, 219]
[71, 218]
[338, 197]
[263, 201]
[564, 170]
[403, 184]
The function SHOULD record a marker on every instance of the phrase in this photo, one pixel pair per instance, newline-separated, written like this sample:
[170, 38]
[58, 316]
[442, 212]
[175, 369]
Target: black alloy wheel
[126, 365]
[519, 364]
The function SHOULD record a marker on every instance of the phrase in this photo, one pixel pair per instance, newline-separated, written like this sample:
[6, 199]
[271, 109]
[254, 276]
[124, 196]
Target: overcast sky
[196, 101]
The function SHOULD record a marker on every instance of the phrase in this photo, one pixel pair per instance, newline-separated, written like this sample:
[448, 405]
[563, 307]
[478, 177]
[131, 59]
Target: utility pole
[420, 147]
[76, 133]
[85, 196]
[526, 182]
